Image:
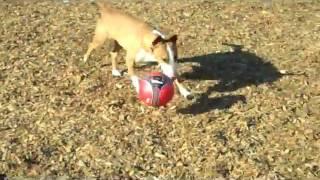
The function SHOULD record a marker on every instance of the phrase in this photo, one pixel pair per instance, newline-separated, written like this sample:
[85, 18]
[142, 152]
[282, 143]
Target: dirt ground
[253, 65]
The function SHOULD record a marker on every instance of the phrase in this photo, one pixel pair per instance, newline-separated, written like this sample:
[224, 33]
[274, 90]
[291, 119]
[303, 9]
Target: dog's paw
[196, 97]
[190, 97]
[116, 73]
[135, 83]
[185, 93]
[85, 58]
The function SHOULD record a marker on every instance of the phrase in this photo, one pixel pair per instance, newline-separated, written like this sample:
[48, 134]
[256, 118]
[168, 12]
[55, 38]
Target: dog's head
[165, 49]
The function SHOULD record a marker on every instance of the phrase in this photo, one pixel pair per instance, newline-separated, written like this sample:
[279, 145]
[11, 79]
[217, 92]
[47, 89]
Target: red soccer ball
[156, 89]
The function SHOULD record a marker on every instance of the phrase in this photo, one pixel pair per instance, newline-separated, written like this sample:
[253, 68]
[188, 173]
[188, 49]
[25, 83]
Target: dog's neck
[169, 49]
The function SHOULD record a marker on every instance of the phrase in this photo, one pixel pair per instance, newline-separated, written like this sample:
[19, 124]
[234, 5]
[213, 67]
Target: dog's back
[129, 31]
[140, 40]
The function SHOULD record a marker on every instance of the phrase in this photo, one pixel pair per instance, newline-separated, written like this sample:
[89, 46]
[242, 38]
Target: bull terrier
[141, 41]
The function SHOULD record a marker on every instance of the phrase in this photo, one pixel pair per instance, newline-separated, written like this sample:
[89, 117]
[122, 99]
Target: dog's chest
[144, 56]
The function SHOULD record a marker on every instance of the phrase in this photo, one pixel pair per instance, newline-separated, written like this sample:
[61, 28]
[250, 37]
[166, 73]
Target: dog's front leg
[170, 71]
[182, 90]
[130, 65]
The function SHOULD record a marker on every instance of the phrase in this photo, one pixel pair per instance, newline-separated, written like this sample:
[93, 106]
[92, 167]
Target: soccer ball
[156, 89]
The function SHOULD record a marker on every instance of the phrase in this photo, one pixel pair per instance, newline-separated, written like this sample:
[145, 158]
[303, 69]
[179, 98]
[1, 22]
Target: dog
[141, 41]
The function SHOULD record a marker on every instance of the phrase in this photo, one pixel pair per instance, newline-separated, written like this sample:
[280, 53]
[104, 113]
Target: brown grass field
[253, 65]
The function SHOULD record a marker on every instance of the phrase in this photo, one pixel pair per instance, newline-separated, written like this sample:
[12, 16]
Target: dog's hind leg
[99, 38]
[114, 53]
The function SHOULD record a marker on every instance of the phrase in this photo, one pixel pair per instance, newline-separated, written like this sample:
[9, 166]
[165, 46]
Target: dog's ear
[157, 40]
[173, 38]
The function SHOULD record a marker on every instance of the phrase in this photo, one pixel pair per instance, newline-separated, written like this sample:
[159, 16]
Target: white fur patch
[183, 91]
[143, 56]
[167, 69]
[116, 72]
[158, 33]
[171, 55]
[135, 82]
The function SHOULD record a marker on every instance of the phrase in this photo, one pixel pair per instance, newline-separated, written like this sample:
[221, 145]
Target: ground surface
[255, 68]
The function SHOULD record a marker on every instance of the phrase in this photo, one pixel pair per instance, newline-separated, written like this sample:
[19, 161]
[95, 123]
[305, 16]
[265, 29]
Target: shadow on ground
[233, 70]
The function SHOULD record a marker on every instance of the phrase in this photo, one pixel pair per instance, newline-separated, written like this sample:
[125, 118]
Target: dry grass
[257, 112]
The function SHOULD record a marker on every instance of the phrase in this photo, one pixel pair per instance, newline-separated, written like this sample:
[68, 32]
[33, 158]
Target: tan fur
[131, 34]
[128, 32]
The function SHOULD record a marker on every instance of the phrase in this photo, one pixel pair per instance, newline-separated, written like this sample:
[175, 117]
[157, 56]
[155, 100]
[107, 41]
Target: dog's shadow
[233, 70]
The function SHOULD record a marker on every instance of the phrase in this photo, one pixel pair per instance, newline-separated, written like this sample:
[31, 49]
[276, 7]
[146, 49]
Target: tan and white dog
[141, 41]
